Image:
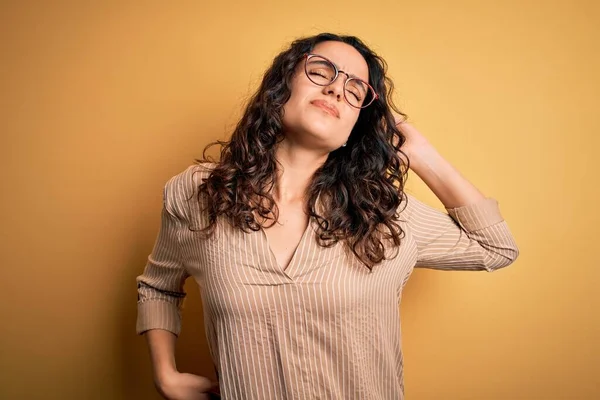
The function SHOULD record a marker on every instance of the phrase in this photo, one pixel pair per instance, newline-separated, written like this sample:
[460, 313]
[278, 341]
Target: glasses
[323, 72]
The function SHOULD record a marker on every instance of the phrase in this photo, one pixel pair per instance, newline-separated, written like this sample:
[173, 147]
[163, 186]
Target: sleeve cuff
[156, 314]
[478, 215]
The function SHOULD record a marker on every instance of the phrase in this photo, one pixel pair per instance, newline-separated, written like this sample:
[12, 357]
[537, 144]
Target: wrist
[421, 156]
[163, 375]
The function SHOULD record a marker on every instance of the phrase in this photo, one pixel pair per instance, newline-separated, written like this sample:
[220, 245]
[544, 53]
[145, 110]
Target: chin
[321, 125]
[319, 133]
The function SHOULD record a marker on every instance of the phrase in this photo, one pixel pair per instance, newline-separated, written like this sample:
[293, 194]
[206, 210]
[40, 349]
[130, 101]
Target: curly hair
[360, 186]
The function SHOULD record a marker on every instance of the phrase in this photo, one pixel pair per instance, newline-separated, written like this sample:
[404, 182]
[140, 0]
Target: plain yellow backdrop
[103, 101]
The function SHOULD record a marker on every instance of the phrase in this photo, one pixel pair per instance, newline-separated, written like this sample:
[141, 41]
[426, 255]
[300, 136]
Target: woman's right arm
[160, 297]
[169, 382]
[161, 344]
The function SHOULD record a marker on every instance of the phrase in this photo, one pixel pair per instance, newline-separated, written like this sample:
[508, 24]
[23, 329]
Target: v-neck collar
[295, 265]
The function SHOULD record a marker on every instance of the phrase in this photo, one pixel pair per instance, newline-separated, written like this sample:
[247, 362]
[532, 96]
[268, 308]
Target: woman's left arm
[473, 235]
[439, 175]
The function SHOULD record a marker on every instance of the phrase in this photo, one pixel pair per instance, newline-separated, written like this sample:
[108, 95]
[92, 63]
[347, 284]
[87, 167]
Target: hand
[183, 386]
[415, 141]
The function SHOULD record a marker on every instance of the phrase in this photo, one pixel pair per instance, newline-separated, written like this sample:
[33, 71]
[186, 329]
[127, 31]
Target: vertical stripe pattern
[322, 328]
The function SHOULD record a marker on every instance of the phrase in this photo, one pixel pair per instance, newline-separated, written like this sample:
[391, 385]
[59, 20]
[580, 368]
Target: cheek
[290, 113]
[297, 102]
[350, 119]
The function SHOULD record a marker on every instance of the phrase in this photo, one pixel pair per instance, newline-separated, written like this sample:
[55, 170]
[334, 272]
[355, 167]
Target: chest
[239, 273]
[284, 237]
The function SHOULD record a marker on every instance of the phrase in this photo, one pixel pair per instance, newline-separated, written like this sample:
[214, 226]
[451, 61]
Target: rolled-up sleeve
[160, 286]
[471, 237]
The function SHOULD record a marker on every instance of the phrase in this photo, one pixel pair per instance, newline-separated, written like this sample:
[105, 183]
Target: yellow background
[103, 101]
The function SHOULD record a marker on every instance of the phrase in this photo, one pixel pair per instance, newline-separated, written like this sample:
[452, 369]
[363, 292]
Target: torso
[298, 319]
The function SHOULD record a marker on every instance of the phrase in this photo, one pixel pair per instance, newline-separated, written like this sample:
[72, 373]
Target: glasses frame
[308, 56]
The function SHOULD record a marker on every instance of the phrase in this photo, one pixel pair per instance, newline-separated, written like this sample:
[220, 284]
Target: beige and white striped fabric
[322, 328]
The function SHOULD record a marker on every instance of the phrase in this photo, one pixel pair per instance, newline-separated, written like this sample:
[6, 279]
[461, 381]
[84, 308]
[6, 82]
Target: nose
[335, 88]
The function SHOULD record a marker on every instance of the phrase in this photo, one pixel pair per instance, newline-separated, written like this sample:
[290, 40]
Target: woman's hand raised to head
[184, 386]
[415, 141]
[448, 184]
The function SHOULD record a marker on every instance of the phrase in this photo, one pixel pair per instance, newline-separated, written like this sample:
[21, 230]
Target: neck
[296, 169]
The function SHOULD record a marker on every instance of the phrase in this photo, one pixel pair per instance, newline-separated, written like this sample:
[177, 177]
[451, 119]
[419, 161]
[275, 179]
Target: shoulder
[187, 181]
[416, 211]
[405, 208]
[182, 188]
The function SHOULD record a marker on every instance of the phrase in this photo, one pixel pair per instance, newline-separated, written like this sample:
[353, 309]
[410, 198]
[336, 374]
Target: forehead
[345, 57]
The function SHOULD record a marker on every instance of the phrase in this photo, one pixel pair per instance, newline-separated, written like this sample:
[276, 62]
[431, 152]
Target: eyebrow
[341, 70]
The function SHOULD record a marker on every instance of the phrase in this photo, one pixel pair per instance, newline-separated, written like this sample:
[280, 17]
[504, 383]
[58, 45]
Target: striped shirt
[325, 327]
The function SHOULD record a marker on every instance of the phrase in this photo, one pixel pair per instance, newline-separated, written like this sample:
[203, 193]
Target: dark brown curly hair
[361, 185]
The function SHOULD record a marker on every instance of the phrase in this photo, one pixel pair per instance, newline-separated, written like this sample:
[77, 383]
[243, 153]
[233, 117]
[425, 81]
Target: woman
[301, 237]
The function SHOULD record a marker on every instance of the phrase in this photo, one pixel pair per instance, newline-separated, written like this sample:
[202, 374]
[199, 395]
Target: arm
[160, 297]
[160, 293]
[439, 175]
[161, 344]
[160, 287]
[473, 235]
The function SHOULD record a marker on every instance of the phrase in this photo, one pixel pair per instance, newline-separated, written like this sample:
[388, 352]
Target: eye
[357, 89]
[355, 93]
[321, 72]
[318, 73]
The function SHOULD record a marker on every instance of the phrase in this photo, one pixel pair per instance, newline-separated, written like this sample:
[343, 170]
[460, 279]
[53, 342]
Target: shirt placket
[295, 357]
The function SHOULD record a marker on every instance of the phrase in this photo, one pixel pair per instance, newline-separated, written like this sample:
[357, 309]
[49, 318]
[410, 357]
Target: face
[319, 116]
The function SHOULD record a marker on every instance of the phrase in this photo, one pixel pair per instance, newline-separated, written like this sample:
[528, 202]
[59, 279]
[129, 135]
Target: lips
[330, 108]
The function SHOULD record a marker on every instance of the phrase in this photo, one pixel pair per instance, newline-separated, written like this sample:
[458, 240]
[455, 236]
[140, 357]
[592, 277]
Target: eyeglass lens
[322, 72]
